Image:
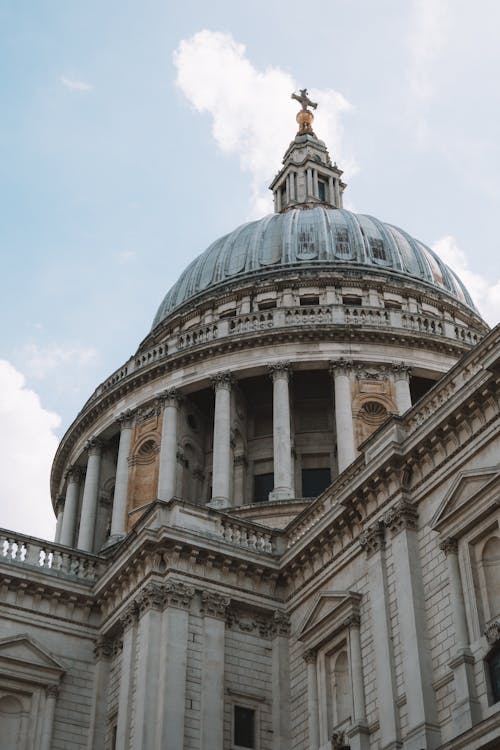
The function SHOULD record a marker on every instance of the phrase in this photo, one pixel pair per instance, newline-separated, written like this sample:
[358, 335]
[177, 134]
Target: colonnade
[341, 372]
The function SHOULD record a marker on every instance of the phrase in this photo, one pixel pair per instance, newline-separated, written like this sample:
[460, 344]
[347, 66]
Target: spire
[308, 178]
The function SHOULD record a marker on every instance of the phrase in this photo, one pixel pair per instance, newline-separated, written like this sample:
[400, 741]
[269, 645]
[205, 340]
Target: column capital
[403, 515]
[373, 538]
[222, 380]
[353, 621]
[310, 656]
[280, 370]
[449, 546]
[60, 500]
[74, 474]
[492, 632]
[126, 419]
[52, 691]
[178, 594]
[152, 596]
[128, 616]
[280, 624]
[214, 605]
[340, 366]
[103, 647]
[94, 446]
[401, 371]
[170, 397]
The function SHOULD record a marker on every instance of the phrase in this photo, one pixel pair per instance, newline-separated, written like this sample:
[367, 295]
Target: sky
[134, 134]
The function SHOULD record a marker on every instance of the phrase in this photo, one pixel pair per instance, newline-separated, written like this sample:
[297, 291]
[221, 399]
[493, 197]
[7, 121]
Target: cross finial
[304, 100]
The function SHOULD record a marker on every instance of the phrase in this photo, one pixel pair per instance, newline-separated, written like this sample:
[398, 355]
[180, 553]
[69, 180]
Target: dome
[321, 237]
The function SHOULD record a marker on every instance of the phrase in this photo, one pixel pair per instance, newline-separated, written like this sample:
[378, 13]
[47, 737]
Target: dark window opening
[322, 190]
[342, 243]
[377, 248]
[419, 387]
[227, 314]
[309, 301]
[314, 481]
[268, 305]
[352, 301]
[263, 484]
[244, 727]
[493, 663]
[390, 304]
[283, 196]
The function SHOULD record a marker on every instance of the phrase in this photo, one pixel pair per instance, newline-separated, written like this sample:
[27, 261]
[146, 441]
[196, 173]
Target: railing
[422, 323]
[306, 315]
[197, 336]
[47, 557]
[246, 536]
[251, 322]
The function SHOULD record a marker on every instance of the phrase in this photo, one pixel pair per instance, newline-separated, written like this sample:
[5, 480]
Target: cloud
[73, 85]
[252, 113]
[124, 256]
[429, 20]
[484, 292]
[39, 361]
[27, 447]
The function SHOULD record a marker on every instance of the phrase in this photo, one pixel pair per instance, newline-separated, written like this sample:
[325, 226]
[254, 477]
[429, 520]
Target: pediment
[464, 495]
[328, 612]
[24, 650]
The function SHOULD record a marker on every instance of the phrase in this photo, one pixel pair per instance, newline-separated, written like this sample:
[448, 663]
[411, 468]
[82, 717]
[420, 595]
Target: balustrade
[247, 536]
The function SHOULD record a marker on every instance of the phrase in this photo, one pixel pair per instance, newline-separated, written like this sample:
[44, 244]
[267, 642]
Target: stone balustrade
[48, 557]
[248, 536]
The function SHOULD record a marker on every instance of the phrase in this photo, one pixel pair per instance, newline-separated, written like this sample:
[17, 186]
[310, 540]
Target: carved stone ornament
[310, 656]
[170, 397]
[492, 632]
[280, 370]
[240, 460]
[353, 621]
[126, 419]
[338, 741]
[129, 616]
[222, 380]
[401, 371]
[103, 647]
[74, 474]
[94, 446]
[214, 605]
[363, 372]
[402, 516]
[148, 411]
[247, 622]
[449, 546]
[178, 594]
[340, 366]
[281, 623]
[52, 691]
[60, 500]
[151, 596]
[373, 538]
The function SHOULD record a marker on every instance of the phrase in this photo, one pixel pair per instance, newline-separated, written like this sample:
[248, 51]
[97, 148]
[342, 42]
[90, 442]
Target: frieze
[148, 411]
[365, 372]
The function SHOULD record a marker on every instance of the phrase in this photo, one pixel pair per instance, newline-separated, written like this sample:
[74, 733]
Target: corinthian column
[221, 473]
[118, 518]
[168, 449]
[346, 451]
[73, 478]
[282, 444]
[402, 383]
[89, 501]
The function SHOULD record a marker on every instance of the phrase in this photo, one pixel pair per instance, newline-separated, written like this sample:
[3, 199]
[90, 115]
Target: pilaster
[51, 693]
[128, 622]
[280, 631]
[357, 735]
[103, 652]
[310, 657]
[60, 500]
[213, 609]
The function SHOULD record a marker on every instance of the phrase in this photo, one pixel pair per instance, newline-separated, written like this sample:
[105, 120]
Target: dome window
[342, 243]
[377, 248]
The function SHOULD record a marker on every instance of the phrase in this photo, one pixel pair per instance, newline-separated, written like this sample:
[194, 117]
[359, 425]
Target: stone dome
[321, 237]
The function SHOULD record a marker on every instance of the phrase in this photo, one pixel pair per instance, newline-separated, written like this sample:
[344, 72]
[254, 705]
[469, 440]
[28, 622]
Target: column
[173, 669]
[221, 472]
[150, 605]
[51, 693]
[309, 191]
[119, 515]
[280, 681]
[128, 622]
[373, 542]
[59, 516]
[346, 451]
[315, 183]
[466, 709]
[167, 475]
[292, 185]
[402, 384]
[287, 189]
[358, 733]
[423, 729]
[282, 446]
[331, 191]
[213, 607]
[103, 652]
[89, 500]
[73, 478]
[239, 474]
[310, 658]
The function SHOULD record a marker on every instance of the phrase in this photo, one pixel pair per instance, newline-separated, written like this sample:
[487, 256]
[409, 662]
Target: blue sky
[130, 141]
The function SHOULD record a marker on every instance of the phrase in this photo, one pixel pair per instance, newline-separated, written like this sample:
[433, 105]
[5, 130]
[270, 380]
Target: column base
[281, 493]
[220, 503]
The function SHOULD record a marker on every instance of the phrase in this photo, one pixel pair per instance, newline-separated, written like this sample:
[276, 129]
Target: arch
[11, 717]
[342, 688]
[490, 559]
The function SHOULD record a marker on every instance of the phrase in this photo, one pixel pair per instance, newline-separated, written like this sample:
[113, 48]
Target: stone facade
[201, 596]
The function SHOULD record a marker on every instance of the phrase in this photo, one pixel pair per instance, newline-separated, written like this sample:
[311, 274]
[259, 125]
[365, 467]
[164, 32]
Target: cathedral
[278, 521]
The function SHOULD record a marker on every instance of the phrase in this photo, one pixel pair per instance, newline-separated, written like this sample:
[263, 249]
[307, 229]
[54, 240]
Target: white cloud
[485, 292]
[252, 112]
[124, 256]
[39, 361]
[27, 447]
[429, 20]
[73, 85]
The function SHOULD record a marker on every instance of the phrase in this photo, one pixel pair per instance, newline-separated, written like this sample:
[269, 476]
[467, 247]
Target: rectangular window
[263, 484]
[244, 727]
[314, 481]
[267, 305]
[322, 190]
[309, 301]
[352, 301]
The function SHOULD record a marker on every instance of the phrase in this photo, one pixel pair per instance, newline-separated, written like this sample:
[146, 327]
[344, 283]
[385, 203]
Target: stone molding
[449, 546]
[341, 366]
[373, 538]
[170, 397]
[280, 370]
[492, 632]
[214, 605]
[94, 446]
[178, 594]
[222, 380]
[403, 515]
[401, 371]
[126, 419]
